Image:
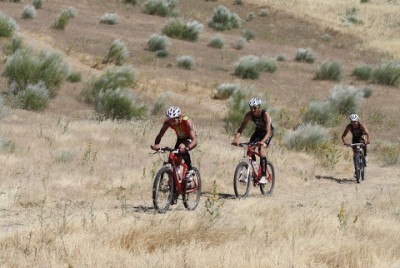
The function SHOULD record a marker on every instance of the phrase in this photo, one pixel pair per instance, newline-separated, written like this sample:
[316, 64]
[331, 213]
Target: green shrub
[267, 65]
[28, 12]
[239, 44]
[7, 145]
[248, 34]
[115, 77]
[3, 108]
[216, 42]
[15, 44]
[162, 53]
[350, 17]
[159, 106]
[224, 91]
[342, 101]
[158, 42]
[387, 73]
[237, 108]
[223, 19]
[368, 92]
[280, 58]
[61, 21]
[263, 12]
[307, 137]
[305, 55]
[133, 2]
[117, 104]
[24, 68]
[185, 62]
[364, 1]
[250, 16]
[238, 2]
[160, 7]
[118, 53]
[329, 70]
[388, 153]
[177, 28]
[248, 67]
[326, 38]
[37, 3]
[320, 113]
[74, 77]
[363, 72]
[34, 97]
[109, 18]
[7, 26]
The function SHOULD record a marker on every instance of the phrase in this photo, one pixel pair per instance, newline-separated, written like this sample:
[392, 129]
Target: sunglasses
[253, 108]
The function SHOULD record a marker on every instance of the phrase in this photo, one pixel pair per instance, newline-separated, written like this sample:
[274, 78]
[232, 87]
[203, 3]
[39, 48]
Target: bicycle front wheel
[268, 188]
[357, 167]
[163, 189]
[191, 198]
[241, 180]
[362, 167]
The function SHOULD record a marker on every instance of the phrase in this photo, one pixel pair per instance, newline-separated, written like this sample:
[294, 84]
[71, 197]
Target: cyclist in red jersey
[262, 134]
[186, 135]
[358, 131]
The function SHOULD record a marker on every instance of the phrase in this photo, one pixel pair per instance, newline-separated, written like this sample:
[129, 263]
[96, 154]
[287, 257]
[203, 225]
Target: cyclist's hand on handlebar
[261, 144]
[155, 147]
[346, 144]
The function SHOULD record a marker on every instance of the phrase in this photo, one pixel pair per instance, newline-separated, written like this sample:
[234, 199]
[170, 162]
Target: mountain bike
[248, 170]
[359, 160]
[170, 182]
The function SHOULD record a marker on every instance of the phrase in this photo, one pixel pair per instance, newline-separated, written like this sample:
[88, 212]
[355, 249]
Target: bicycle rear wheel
[268, 188]
[163, 189]
[362, 167]
[192, 195]
[241, 180]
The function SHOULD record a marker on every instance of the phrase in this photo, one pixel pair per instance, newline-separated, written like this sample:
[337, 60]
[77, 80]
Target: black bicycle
[359, 160]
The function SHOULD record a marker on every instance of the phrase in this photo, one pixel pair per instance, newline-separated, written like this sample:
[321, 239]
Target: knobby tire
[241, 180]
[191, 198]
[163, 187]
[268, 188]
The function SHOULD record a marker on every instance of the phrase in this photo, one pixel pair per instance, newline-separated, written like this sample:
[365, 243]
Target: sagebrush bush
[237, 108]
[350, 17]
[307, 137]
[37, 3]
[368, 92]
[74, 77]
[28, 12]
[239, 43]
[61, 21]
[118, 53]
[387, 73]
[15, 44]
[160, 104]
[185, 62]
[364, 1]
[326, 38]
[363, 72]
[224, 91]
[342, 101]
[117, 104]
[109, 18]
[177, 28]
[158, 42]
[162, 53]
[248, 67]
[3, 108]
[263, 12]
[34, 97]
[329, 70]
[223, 19]
[7, 26]
[160, 7]
[267, 65]
[250, 16]
[115, 77]
[216, 42]
[248, 34]
[24, 67]
[305, 55]
[388, 153]
[280, 57]
[238, 2]
[133, 2]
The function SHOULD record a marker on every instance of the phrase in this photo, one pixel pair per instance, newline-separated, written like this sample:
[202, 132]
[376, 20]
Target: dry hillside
[76, 191]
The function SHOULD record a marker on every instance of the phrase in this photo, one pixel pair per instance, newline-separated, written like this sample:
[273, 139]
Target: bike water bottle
[179, 172]
[255, 167]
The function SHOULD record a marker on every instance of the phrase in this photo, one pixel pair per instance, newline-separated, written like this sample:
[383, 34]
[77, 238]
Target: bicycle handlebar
[355, 144]
[250, 144]
[166, 149]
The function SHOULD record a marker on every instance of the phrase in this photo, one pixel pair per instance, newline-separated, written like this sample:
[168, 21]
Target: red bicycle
[248, 170]
[359, 160]
[169, 182]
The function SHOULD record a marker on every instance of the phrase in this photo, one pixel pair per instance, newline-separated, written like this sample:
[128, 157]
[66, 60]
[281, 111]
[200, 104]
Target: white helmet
[254, 102]
[173, 112]
[354, 117]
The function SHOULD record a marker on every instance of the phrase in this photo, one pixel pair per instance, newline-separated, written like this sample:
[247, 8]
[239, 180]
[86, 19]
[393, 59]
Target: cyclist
[358, 130]
[262, 134]
[186, 136]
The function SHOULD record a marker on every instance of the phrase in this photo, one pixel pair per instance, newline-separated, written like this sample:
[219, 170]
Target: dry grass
[76, 192]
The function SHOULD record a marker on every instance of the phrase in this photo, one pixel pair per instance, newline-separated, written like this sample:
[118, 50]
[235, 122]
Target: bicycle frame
[175, 161]
[248, 152]
[359, 162]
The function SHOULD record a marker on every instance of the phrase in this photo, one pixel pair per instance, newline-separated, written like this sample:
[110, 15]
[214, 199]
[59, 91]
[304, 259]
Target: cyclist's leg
[182, 143]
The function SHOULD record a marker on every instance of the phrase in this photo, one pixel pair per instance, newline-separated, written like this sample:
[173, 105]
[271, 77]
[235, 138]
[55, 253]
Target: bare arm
[163, 129]
[246, 119]
[364, 128]
[192, 135]
[267, 119]
[346, 130]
